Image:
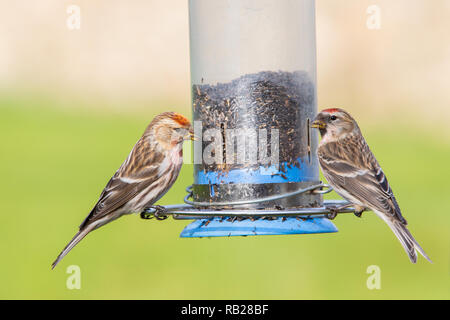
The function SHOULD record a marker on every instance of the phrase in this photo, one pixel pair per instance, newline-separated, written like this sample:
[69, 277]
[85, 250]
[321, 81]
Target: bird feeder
[253, 76]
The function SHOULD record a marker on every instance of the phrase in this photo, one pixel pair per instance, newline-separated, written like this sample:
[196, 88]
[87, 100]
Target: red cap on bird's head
[332, 110]
[182, 120]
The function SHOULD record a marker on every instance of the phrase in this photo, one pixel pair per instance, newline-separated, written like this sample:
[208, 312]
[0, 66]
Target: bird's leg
[158, 214]
[333, 213]
[358, 214]
[335, 210]
[359, 210]
[146, 216]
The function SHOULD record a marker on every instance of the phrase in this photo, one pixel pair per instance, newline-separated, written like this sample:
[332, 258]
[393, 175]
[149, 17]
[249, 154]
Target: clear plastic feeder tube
[253, 74]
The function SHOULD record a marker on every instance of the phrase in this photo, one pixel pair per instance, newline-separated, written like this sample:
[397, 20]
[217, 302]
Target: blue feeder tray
[217, 227]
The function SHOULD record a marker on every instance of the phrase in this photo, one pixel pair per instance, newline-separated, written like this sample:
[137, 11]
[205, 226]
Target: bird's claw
[159, 213]
[333, 213]
[358, 213]
[146, 215]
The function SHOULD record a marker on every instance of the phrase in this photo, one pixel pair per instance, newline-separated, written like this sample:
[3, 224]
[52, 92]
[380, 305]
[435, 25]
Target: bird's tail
[77, 238]
[407, 240]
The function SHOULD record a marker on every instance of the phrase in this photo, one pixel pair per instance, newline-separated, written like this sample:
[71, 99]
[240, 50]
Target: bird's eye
[332, 118]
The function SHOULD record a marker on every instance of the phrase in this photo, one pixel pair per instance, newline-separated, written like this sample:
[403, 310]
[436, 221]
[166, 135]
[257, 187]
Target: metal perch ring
[190, 210]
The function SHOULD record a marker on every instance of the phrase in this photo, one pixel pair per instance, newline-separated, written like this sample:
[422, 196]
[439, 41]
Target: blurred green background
[56, 163]
[73, 103]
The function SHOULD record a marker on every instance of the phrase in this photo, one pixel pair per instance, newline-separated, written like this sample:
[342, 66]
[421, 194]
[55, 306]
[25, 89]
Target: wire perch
[192, 210]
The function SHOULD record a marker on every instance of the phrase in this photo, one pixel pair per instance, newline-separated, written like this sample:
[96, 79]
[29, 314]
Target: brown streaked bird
[143, 178]
[354, 173]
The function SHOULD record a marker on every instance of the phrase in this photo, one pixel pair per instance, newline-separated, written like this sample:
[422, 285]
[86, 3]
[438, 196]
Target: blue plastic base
[223, 228]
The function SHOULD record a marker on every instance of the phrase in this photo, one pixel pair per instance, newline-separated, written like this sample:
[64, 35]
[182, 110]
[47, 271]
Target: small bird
[143, 178]
[354, 173]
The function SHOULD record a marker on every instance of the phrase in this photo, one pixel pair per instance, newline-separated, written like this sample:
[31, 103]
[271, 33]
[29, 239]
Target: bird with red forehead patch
[352, 170]
[144, 177]
[333, 123]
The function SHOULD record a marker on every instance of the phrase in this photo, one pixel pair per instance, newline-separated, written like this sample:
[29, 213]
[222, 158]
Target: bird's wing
[138, 172]
[116, 194]
[362, 179]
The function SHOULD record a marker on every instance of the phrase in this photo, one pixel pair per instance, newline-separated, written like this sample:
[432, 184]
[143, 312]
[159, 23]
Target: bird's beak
[318, 124]
[192, 136]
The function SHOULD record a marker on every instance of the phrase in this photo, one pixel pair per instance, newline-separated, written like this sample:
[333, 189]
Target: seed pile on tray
[263, 100]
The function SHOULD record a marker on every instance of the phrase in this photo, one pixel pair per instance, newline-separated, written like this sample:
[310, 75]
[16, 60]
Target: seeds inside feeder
[270, 112]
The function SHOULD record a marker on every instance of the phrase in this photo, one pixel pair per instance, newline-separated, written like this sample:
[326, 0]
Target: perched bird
[143, 178]
[352, 170]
